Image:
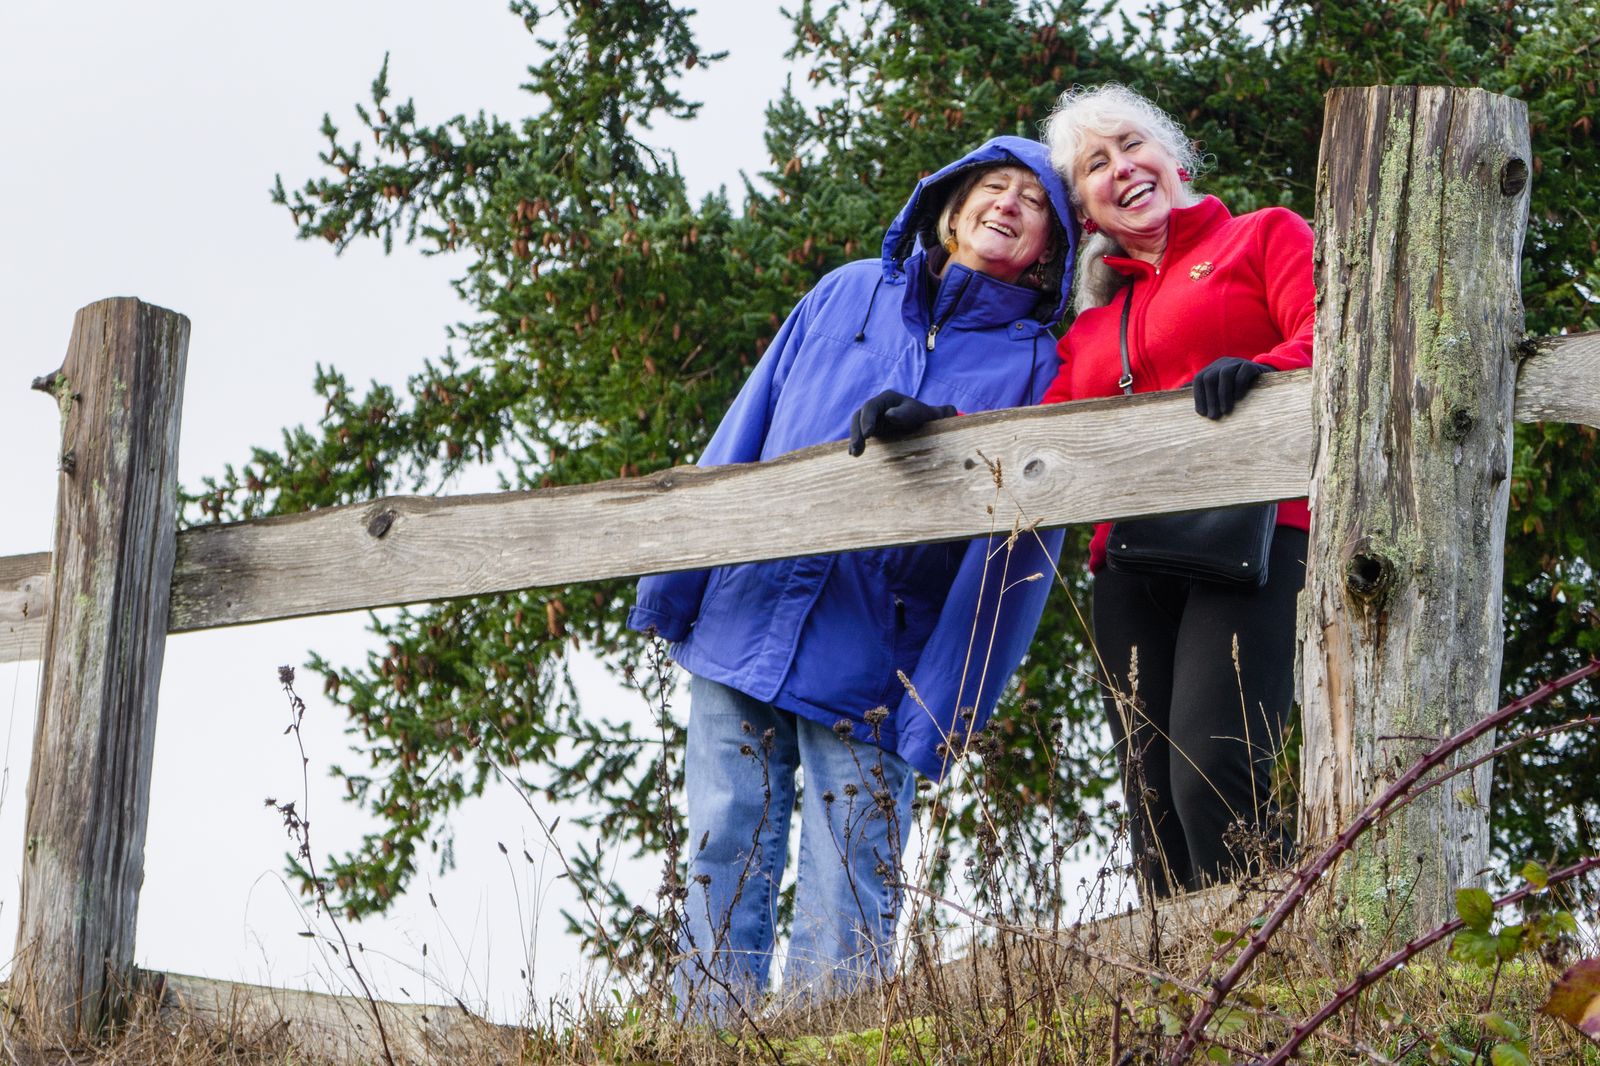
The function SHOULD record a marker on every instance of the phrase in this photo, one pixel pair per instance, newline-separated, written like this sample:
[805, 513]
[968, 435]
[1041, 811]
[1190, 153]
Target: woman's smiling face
[1128, 184]
[1003, 225]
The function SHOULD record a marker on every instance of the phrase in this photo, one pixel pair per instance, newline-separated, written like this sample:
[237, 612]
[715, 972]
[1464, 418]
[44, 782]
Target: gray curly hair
[1105, 109]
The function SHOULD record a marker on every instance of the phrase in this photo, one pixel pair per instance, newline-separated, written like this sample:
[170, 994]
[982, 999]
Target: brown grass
[1111, 992]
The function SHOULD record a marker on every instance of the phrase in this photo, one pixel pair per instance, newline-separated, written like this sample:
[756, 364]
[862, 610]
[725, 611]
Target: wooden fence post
[120, 391]
[1422, 201]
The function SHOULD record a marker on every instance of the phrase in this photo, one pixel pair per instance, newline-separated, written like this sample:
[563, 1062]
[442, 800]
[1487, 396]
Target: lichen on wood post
[119, 391]
[1422, 200]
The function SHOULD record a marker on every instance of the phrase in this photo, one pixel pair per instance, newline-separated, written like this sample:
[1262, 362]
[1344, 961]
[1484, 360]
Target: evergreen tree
[617, 319]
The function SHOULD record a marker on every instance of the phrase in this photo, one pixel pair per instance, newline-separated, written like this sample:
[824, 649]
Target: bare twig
[1400, 790]
[1350, 991]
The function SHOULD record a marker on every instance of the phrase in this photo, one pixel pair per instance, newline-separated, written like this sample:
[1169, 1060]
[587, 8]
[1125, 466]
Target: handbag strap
[1126, 381]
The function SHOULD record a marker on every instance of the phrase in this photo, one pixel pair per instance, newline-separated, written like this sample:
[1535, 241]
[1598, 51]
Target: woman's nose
[1122, 166]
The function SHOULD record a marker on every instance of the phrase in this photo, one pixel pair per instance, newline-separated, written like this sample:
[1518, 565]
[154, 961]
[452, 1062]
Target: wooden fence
[1401, 434]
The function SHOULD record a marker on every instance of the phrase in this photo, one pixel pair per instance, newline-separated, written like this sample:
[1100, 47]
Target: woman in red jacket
[1199, 674]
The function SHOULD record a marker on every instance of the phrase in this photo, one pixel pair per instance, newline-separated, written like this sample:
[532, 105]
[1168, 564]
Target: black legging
[1204, 731]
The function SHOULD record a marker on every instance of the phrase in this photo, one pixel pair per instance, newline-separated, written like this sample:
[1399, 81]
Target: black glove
[890, 415]
[1219, 386]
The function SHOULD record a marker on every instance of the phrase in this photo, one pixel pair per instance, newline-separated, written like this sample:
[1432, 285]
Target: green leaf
[1535, 874]
[1509, 1055]
[1500, 1026]
[1475, 947]
[1509, 941]
[1476, 908]
[1226, 1022]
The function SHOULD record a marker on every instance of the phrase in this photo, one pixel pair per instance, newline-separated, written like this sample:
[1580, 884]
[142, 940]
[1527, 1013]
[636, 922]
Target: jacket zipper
[933, 330]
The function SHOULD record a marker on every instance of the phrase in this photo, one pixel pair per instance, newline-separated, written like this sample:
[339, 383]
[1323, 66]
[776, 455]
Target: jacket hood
[914, 228]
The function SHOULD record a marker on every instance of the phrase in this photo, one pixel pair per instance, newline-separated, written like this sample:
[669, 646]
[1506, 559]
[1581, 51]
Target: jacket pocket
[845, 654]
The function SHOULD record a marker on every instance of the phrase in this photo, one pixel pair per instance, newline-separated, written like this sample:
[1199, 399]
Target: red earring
[1184, 175]
[1090, 225]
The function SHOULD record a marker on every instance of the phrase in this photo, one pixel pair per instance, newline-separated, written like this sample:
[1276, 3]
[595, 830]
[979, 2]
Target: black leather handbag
[1227, 544]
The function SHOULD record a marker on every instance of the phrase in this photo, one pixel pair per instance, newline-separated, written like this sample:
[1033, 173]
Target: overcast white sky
[140, 142]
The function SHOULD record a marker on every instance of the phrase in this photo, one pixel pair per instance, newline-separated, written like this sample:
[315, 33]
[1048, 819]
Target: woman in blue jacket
[797, 663]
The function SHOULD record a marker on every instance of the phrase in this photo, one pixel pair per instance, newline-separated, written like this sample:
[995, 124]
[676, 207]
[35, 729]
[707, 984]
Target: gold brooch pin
[1200, 270]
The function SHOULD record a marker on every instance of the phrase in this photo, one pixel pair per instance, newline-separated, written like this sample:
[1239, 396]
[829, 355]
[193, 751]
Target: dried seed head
[842, 728]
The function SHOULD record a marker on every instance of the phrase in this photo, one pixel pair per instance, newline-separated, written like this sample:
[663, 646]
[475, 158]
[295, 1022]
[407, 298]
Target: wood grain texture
[338, 1027]
[1422, 203]
[24, 603]
[1057, 466]
[120, 392]
[1560, 382]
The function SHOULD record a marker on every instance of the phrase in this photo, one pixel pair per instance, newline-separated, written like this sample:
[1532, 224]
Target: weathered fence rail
[1418, 353]
[416, 549]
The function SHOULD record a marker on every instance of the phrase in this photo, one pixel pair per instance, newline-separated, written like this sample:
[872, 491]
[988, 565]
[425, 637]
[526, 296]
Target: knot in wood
[379, 526]
[1513, 177]
[1368, 573]
[1033, 468]
[1458, 426]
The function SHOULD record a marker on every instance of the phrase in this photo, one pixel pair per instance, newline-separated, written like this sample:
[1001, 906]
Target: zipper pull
[933, 331]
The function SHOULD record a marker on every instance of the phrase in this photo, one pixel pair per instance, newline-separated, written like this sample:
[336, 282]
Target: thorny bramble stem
[1405, 954]
[1309, 874]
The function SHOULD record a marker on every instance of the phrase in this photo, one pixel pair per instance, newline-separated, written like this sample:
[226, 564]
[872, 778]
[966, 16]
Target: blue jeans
[739, 770]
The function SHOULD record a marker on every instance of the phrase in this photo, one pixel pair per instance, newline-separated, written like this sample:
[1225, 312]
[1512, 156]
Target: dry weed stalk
[297, 824]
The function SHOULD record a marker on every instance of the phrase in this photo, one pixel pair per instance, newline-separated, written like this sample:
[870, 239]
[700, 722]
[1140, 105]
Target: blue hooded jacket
[824, 636]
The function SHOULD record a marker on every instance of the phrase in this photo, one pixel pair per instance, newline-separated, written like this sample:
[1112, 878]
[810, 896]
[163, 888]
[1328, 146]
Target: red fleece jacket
[1228, 286]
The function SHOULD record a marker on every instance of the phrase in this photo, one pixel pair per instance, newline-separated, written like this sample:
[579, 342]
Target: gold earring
[950, 244]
